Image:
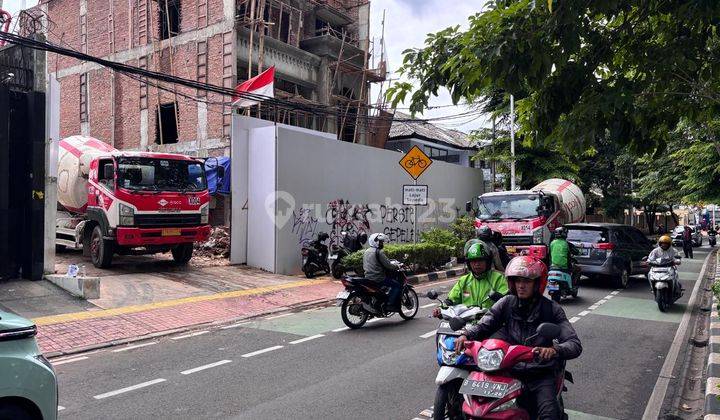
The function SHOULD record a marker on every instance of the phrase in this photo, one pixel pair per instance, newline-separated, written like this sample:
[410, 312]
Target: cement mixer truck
[527, 218]
[120, 202]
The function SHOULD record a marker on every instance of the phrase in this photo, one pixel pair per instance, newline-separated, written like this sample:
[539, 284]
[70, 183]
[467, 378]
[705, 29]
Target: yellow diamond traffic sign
[415, 162]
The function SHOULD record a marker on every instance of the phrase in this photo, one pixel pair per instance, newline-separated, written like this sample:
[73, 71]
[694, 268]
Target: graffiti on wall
[343, 216]
[398, 223]
[304, 225]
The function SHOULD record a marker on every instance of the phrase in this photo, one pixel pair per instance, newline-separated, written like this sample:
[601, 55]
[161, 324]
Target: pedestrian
[687, 242]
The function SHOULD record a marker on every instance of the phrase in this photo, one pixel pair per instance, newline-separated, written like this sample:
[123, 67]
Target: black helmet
[322, 236]
[485, 233]
[362, 238]
[560, 233]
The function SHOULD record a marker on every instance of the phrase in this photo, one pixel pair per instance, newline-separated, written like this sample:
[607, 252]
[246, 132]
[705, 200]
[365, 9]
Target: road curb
[437, 275]
[712, 384]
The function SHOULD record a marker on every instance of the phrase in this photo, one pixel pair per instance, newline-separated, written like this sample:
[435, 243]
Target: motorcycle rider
[561, 251]
[473, 288]
[515, 318]
[378, 268]
[664, 253]
[502, 251]
[485, 235]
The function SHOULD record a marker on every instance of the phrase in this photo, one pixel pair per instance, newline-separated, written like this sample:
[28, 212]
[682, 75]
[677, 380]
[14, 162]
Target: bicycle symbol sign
[415, 162]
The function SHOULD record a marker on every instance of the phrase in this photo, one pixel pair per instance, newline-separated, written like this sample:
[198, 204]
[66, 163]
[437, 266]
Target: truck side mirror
[468, 206]
[108, 171]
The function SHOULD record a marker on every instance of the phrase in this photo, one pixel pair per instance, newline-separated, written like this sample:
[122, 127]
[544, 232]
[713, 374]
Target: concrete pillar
[143, 129]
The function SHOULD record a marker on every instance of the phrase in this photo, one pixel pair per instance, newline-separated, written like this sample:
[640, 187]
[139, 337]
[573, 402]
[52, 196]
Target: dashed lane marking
[574, 319]
[429, 334]
[341, 329]
[203, 367]
[128, 389]
[255, 353]
[239, 324]
[278, 316]
[428, 305]
[614, 292]
[583, 313]
[71, 360]
[136, 346]
[375, 320]
[312, 337]
[60, 408]
[190, 335]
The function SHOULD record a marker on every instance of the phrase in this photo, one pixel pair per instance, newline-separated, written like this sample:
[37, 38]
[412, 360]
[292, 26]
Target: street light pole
[512, 142]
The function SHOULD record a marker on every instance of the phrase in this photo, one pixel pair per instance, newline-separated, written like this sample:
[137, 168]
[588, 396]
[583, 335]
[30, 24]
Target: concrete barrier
[82, 287]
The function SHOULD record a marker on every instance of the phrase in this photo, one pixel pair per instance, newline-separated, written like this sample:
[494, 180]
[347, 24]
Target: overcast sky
[407, 22]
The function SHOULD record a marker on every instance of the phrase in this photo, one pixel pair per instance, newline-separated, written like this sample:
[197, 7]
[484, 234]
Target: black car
[609, 250]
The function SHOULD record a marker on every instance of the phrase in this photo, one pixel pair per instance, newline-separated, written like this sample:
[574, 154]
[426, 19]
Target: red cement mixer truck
[527, 218]
[120, 202]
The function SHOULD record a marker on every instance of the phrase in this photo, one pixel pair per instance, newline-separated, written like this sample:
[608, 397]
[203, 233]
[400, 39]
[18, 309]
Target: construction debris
[217, 246]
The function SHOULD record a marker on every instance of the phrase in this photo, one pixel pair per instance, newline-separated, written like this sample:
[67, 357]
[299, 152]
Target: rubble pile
[217, 245]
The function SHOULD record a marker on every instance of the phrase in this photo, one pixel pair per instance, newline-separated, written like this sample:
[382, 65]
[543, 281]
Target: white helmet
[376, 238]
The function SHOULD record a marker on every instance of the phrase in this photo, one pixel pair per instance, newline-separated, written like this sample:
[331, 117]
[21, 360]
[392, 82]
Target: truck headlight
[205, 214]
[489, 360]
[538, 236]
[127, 215]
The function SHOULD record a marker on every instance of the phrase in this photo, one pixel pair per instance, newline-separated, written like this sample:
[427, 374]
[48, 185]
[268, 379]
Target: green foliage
[463, 227]
[584, 70]
[443, 237]
[426, 256]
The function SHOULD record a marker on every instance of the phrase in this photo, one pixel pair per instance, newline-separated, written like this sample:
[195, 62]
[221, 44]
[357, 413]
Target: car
[677, 233]
[610, 251]
[28, 384]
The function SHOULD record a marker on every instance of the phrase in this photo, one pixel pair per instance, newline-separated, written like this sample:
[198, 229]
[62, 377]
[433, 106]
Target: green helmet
[476, 252]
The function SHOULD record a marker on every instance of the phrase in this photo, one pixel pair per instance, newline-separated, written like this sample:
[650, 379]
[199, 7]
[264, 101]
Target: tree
[630, 70]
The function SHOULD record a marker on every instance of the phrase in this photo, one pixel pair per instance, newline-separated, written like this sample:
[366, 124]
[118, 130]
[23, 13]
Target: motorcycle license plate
[585, 252]
[343, 295]
[553, 287]
[487, 389]
[511, 249]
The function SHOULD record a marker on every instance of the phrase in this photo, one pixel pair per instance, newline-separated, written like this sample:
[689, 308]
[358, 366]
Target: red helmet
[527, 267]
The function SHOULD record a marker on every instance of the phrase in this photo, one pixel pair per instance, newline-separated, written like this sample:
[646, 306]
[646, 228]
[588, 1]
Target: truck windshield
[512, 206]
[150, 174]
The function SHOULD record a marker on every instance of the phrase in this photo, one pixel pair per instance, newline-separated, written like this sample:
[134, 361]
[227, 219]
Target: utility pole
[512, 142]
[492, 162]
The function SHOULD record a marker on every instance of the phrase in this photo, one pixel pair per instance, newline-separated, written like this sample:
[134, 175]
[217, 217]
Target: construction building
[321, 49]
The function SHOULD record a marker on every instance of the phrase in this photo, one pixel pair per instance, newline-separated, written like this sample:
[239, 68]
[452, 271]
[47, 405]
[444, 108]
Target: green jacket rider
[561, 251]
[474, 288]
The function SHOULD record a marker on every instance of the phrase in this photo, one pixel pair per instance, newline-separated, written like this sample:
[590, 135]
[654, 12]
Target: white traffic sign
[415, 195]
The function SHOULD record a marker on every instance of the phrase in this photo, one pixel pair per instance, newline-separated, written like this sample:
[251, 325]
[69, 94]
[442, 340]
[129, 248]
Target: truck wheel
[182, 253]
[101, 250]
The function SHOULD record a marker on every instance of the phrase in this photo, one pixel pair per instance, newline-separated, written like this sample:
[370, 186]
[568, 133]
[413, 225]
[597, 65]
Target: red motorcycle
[492, 392]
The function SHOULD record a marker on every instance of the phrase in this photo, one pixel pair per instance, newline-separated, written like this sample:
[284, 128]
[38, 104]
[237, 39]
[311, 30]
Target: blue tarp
[212, 179]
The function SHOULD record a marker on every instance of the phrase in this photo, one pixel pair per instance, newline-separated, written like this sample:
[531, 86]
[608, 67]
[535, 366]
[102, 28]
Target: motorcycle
[349, 243]
[664, 280]
[712, 238]
[491, 391]
[363, 299]
[563, 283]
[453, 368]
[315, 256]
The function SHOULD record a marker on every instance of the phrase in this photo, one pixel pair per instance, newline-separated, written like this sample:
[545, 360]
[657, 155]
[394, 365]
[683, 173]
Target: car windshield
[150, 174]
[511, 206]
[591, 236]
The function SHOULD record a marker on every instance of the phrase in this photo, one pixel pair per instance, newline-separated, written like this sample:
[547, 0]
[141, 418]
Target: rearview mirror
[548, 330]
[108, 171]
[457, 323]
[432, 294]
[468, 206]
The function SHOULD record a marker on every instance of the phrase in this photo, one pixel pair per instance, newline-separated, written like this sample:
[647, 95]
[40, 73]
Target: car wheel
[622, 279]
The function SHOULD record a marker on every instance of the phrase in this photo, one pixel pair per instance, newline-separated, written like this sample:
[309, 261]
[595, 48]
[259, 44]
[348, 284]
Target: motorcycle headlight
[205, 214]
[489, 360]
[127, 215]
[538, 236]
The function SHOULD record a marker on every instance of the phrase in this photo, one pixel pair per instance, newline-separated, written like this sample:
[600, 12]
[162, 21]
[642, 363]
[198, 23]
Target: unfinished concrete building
[321, 50]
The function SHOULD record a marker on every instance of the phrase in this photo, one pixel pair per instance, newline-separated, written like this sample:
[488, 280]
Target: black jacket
[508, 322]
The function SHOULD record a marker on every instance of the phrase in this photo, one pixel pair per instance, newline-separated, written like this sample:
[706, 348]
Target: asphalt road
[305, 365]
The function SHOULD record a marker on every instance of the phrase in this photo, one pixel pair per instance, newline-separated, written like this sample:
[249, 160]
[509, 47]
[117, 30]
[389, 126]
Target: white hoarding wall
[325, 185]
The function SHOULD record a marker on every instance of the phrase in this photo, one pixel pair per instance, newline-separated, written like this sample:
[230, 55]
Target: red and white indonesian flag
[263, 84]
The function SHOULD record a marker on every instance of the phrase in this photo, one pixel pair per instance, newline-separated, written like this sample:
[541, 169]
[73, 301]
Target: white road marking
[137, 346]
[312, 310]
[428, 305]
[340, 329]
[375, 320]
[574, 319]
[189, 335]
[312, 337]
[208, 366]
[255, 353]
[583, 313]
[239, 324]
[128, 389]
[601, 301]
[278, 316]
[609, 297]
[427, 413]
[60, 408]
[73, 359]
[614, 292]
[429, 334]
[593, 307]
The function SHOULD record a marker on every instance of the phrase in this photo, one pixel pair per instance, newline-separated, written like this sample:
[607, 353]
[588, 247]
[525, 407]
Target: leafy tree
[626, 69]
